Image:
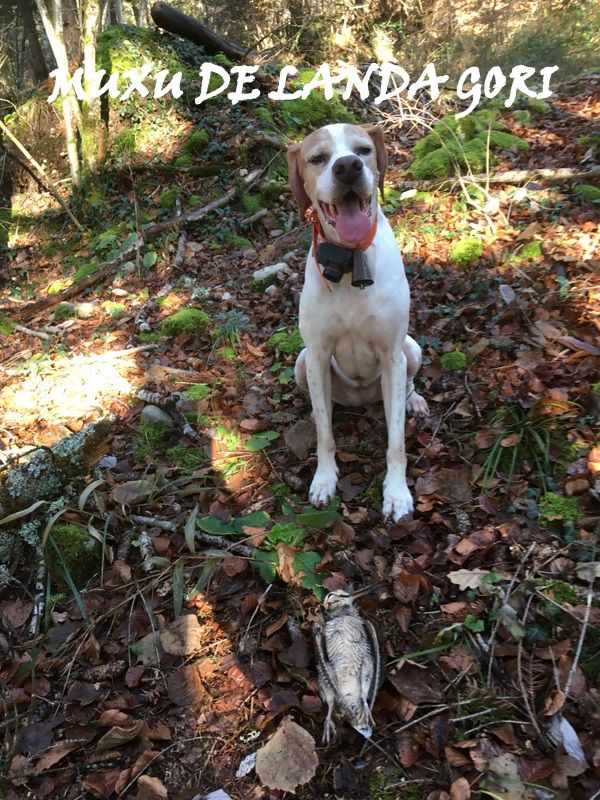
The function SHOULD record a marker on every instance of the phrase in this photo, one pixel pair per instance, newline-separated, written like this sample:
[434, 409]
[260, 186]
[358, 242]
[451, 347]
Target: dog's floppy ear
[376, 134]
[295, 179]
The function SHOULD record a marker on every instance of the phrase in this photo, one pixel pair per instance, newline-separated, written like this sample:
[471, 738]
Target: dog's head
[337, 169]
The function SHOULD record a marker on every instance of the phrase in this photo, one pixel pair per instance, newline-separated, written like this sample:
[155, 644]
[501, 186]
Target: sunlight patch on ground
[65, 390]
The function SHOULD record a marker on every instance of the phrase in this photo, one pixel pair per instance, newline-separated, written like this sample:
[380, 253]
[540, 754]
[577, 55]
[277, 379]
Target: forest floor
[489, 615]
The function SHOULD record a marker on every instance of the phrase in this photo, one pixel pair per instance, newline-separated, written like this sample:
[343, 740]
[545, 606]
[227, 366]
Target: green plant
[198, 391]
[466, 250]
[529, 252]
[555, 506]
[84, 271]
[587, 192]
[186, 320]
[169, 197]
[288, 341]
[233, 323]
[187, 459]
[72, 553]
[7, 326]
[454, 361]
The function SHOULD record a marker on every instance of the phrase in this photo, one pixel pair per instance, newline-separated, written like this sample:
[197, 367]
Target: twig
[163, 524]
[524, 694]
[39, 334]
[221, 541]
[141, 319]
[40, 594]
[180, 252]
[254, 217]
[584, 627]
[45, 180]
[513, 176]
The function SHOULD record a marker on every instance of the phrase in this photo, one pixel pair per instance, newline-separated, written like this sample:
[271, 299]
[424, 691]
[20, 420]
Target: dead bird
[348, 662]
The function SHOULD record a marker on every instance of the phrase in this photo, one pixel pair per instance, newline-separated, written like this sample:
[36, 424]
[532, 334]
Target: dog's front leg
[318, 374]
[397, 500]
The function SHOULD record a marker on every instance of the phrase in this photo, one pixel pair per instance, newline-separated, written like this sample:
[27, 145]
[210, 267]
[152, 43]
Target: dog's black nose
[347, 168]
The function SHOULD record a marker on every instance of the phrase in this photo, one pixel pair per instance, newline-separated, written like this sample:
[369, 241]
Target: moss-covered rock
[529, 252]
[555, 506]
[588, 193]
[537, 106]
[78, 554]
[169, 197]
[7, 326]
[198, 391]
[288, 341]
[186, 320]
[197, 142]
[84, 271]
[454, 361]
[466, 250]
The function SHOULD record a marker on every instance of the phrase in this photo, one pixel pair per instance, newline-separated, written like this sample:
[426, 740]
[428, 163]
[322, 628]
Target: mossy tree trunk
[36, 54]
[53, 26]
[93, 130]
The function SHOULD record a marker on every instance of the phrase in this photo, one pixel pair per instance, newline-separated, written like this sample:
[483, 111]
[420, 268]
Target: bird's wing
[377, 673]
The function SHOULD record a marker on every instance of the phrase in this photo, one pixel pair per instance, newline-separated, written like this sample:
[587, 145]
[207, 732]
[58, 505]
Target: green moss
[536, 106]
[264, 115]
[454, 361]
[7, 326]
[186, 320]
[113, 309]
[184, 161]
[305, 115]
[196, 142]
[555, 506]
[227, 353]
[288, 341]
[58, 286]
[445, 161]
[222, 60]
[502, 140]
[81, 554]
[466, 250]
[187, 458]
[198, 391]
[169, 197]
[596, 389]
[150, 337]
[251, 203]
[238, 241]
[522, 116]
[529, 252]
[588, 193]
[84, 271]
[64, 311]
[589, 141]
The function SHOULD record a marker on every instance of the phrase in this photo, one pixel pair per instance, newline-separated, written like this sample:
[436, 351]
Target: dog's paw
[322, 488]
[397, 500]
[417, 405]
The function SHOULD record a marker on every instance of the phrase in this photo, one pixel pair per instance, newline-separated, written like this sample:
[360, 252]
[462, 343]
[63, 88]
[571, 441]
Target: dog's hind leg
[415, 403]
[300, 371]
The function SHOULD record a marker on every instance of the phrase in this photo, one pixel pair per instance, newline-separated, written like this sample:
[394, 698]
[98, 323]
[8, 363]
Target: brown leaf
[460, 789]
[15, 613]
[118, 736]
[185, 687]
[132, 492]
[416, 684]
[289, 759]
[114, 717]
[406, 587]
[554, 702]
[54, 755]
[301, 438]
[133, 676]
[183, 637]
[408, 750]
[149, 788]
[102, 784]
[455, 484]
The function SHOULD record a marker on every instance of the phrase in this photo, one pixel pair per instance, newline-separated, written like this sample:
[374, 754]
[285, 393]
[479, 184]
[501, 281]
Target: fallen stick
[40, 594]
[106, 269]
[44, 178]
[513, 176]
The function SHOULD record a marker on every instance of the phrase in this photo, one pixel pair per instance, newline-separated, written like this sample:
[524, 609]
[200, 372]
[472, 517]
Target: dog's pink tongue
[352, 224]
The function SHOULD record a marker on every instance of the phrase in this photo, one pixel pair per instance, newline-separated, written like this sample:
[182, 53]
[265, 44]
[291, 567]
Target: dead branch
[174, 21]
[44, 179]
[108, 267]
[513, 176]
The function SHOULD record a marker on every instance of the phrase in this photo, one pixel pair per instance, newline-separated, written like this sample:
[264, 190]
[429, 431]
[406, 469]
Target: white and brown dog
[357, 348]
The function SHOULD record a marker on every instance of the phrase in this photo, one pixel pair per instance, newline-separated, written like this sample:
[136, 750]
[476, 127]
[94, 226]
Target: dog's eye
[319, 158]
[364, 151]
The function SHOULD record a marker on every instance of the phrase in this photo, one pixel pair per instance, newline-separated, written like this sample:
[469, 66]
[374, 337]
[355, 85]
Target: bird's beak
[373, 587]
[367, 731]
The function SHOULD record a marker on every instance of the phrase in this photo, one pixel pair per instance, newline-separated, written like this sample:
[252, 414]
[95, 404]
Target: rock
[271, 289]
[249, 254]
[301, 438]
[275, 233]
[264, 277]
[289, 256]
[128, 266]
[120, 292]
[156, 416]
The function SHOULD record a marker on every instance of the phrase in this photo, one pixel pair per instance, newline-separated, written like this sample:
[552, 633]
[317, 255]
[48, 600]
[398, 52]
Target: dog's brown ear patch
[376, 134]
[295, 179]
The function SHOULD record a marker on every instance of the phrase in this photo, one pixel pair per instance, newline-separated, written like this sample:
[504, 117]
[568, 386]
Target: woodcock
[348, 663]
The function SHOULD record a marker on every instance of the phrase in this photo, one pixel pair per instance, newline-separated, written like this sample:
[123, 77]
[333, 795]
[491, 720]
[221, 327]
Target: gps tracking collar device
[338, 261]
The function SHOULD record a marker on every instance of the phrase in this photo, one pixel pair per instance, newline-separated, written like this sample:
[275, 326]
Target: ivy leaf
[266, 561]
[257, 519]
[216, 527]
[288, 533]
[306, 563]
[150, 259]
[261, 440]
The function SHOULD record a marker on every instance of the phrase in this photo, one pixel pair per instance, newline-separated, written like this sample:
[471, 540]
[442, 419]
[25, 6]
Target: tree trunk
[174, 21]
[36, 54]
[71, 114]
[93, 131]
[119, 15]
